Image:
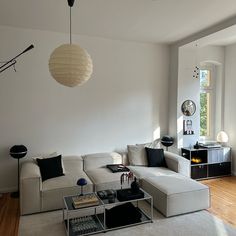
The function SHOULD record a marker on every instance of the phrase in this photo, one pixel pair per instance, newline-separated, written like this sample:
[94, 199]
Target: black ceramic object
[196, 146]
[135, 186]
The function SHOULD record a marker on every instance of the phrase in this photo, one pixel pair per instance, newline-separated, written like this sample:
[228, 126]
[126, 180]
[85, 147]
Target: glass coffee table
[92, 219]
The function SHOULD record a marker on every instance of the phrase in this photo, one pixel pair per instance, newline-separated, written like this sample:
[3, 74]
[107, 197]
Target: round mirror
[188, 108]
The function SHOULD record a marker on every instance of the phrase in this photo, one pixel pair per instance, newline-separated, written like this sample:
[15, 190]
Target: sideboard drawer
[199, 172]
[219, 169]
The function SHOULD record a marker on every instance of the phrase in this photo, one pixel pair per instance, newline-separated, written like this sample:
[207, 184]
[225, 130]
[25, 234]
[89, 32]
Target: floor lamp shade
[18, 151]
[167, 141]
[70, 65]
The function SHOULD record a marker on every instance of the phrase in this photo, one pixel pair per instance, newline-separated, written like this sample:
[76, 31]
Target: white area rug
[200, 223]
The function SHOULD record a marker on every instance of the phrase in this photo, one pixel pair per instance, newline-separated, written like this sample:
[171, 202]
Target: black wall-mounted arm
[13, 60]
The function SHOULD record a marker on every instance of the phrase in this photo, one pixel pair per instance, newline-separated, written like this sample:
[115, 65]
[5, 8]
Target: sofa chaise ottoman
[176, 194]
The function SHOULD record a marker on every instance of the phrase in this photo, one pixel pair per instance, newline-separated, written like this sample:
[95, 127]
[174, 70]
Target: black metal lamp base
[15, 194]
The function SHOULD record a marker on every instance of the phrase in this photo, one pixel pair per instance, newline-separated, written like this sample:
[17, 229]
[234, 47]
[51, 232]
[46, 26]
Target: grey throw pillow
[137, 155]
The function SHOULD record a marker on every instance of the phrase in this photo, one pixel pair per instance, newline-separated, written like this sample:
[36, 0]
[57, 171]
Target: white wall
[124, 102]
[228, 121]
[189, 88]
[230, 97]
[173, 93]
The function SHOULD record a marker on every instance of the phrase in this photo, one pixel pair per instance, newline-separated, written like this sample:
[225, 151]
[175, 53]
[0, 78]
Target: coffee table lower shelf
[93, 224]
[84, 225]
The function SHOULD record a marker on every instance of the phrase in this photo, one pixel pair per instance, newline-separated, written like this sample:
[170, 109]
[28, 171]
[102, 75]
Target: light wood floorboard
[9, 215]
[223, 205]
[223, 198]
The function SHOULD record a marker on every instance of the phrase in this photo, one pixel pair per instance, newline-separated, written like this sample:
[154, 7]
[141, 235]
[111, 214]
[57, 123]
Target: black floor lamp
[18, 152]
[167, 141]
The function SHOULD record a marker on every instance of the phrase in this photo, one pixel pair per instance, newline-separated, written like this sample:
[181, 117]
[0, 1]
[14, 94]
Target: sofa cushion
[137, 155]
[142, 172]
[54, 189]
[98, 160]
[50, 167]
[104, 179]
[73, 164]
[155, 157]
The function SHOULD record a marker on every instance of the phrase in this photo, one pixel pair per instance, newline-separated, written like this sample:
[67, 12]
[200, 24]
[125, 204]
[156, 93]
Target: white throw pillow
[137, 155]
[50, 156]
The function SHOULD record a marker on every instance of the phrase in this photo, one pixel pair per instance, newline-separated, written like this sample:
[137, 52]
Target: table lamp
[222, 137]
[81, 182]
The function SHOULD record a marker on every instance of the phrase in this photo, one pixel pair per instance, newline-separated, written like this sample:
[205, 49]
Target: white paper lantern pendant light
[69, 64]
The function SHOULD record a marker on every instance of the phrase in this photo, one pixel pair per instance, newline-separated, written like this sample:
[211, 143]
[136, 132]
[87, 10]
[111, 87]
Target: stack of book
[85, 200]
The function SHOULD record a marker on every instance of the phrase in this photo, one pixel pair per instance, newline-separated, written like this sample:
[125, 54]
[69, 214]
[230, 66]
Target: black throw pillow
[155, 157]
[50, 167]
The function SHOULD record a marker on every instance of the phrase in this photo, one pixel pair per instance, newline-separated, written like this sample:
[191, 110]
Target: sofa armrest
[177, 163]
[30, 187]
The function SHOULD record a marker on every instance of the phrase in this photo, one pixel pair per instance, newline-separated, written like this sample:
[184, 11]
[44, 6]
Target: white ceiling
[164, 21]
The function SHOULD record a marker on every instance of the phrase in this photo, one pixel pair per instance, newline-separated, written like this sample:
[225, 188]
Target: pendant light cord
[70, 26]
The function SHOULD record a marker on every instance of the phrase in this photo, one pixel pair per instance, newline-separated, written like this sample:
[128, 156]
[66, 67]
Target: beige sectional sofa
[38, 196]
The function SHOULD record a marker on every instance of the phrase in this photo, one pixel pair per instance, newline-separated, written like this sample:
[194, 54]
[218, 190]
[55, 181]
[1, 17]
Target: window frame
[211, 106]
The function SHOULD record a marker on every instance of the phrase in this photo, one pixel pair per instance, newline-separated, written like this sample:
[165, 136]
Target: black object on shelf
[106, 194]
[128, 194]
[167, 141]
[121, 215]
[117, 168]
[196, 146]
[18, 152]
[135, 186]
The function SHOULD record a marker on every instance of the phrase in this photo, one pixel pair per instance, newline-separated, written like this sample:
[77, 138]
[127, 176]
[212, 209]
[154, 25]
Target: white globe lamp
[69, 64]
[222, 137]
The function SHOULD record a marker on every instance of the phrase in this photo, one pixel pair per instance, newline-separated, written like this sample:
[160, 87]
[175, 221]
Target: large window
[206, 94]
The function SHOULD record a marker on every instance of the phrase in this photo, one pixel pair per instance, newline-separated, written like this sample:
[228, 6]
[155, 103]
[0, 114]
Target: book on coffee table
[85, 200]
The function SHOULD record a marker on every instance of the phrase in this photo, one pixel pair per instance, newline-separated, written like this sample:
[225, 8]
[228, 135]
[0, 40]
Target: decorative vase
[135, 186]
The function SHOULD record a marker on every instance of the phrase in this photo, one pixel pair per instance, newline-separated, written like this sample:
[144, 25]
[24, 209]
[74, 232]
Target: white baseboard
[8, 190]
[233, 173]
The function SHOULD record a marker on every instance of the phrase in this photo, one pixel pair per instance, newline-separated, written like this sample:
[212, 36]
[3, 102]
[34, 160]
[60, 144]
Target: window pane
[204, 114]
[205, 76]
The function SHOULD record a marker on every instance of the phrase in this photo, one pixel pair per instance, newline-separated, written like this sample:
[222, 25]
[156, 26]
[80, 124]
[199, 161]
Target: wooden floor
[223, 205]
[223, 198]
[9, 215]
